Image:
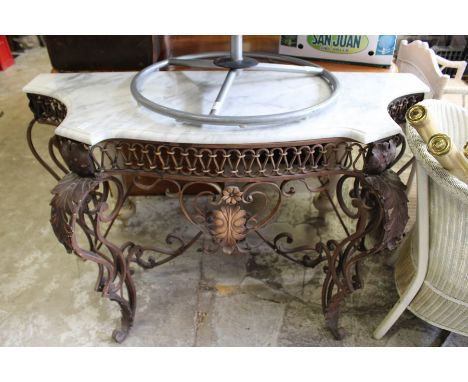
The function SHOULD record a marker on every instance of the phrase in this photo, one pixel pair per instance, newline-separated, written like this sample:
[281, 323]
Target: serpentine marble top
[100, 105]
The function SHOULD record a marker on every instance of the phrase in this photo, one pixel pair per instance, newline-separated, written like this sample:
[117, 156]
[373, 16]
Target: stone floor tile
[242, 320]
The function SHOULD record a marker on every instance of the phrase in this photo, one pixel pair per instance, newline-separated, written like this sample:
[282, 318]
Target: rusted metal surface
[234, 180]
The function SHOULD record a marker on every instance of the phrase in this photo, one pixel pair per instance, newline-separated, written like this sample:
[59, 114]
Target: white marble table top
[100, 105]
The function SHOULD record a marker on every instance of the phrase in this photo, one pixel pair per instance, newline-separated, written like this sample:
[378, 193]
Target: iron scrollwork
[230, 223]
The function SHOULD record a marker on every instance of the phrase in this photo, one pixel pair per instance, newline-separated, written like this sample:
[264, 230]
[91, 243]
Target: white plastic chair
[431, 273]
[417, 58]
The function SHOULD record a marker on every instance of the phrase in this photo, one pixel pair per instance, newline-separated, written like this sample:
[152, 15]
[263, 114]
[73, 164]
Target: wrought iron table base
[233, 179]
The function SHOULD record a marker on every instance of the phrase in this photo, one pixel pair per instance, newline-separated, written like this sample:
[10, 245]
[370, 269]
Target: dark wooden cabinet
[101, 53]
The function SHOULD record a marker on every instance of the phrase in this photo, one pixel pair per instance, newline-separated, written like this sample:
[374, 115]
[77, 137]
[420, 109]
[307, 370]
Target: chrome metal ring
[198, 60]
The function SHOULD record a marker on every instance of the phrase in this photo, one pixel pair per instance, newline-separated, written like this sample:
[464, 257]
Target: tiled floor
[200, 298]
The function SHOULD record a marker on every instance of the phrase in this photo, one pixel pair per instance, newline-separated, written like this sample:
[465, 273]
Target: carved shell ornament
[229, 226]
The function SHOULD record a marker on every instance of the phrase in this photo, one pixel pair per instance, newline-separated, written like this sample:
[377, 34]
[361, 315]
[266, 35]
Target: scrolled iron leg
[379, 204]
[342, 276]
[335, 290]
[331, 305]
[79, 203]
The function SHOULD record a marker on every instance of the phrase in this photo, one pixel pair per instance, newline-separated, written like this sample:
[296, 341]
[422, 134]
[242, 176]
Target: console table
[102, 136]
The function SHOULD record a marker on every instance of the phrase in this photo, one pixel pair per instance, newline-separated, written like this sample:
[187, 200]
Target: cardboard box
[360, 49]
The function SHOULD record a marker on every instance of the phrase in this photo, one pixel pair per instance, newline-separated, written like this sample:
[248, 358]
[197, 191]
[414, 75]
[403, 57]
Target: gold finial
[416, 114]
[465, 150]
[439, 144]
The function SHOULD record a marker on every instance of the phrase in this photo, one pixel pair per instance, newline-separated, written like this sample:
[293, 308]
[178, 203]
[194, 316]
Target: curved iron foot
[127, 309]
